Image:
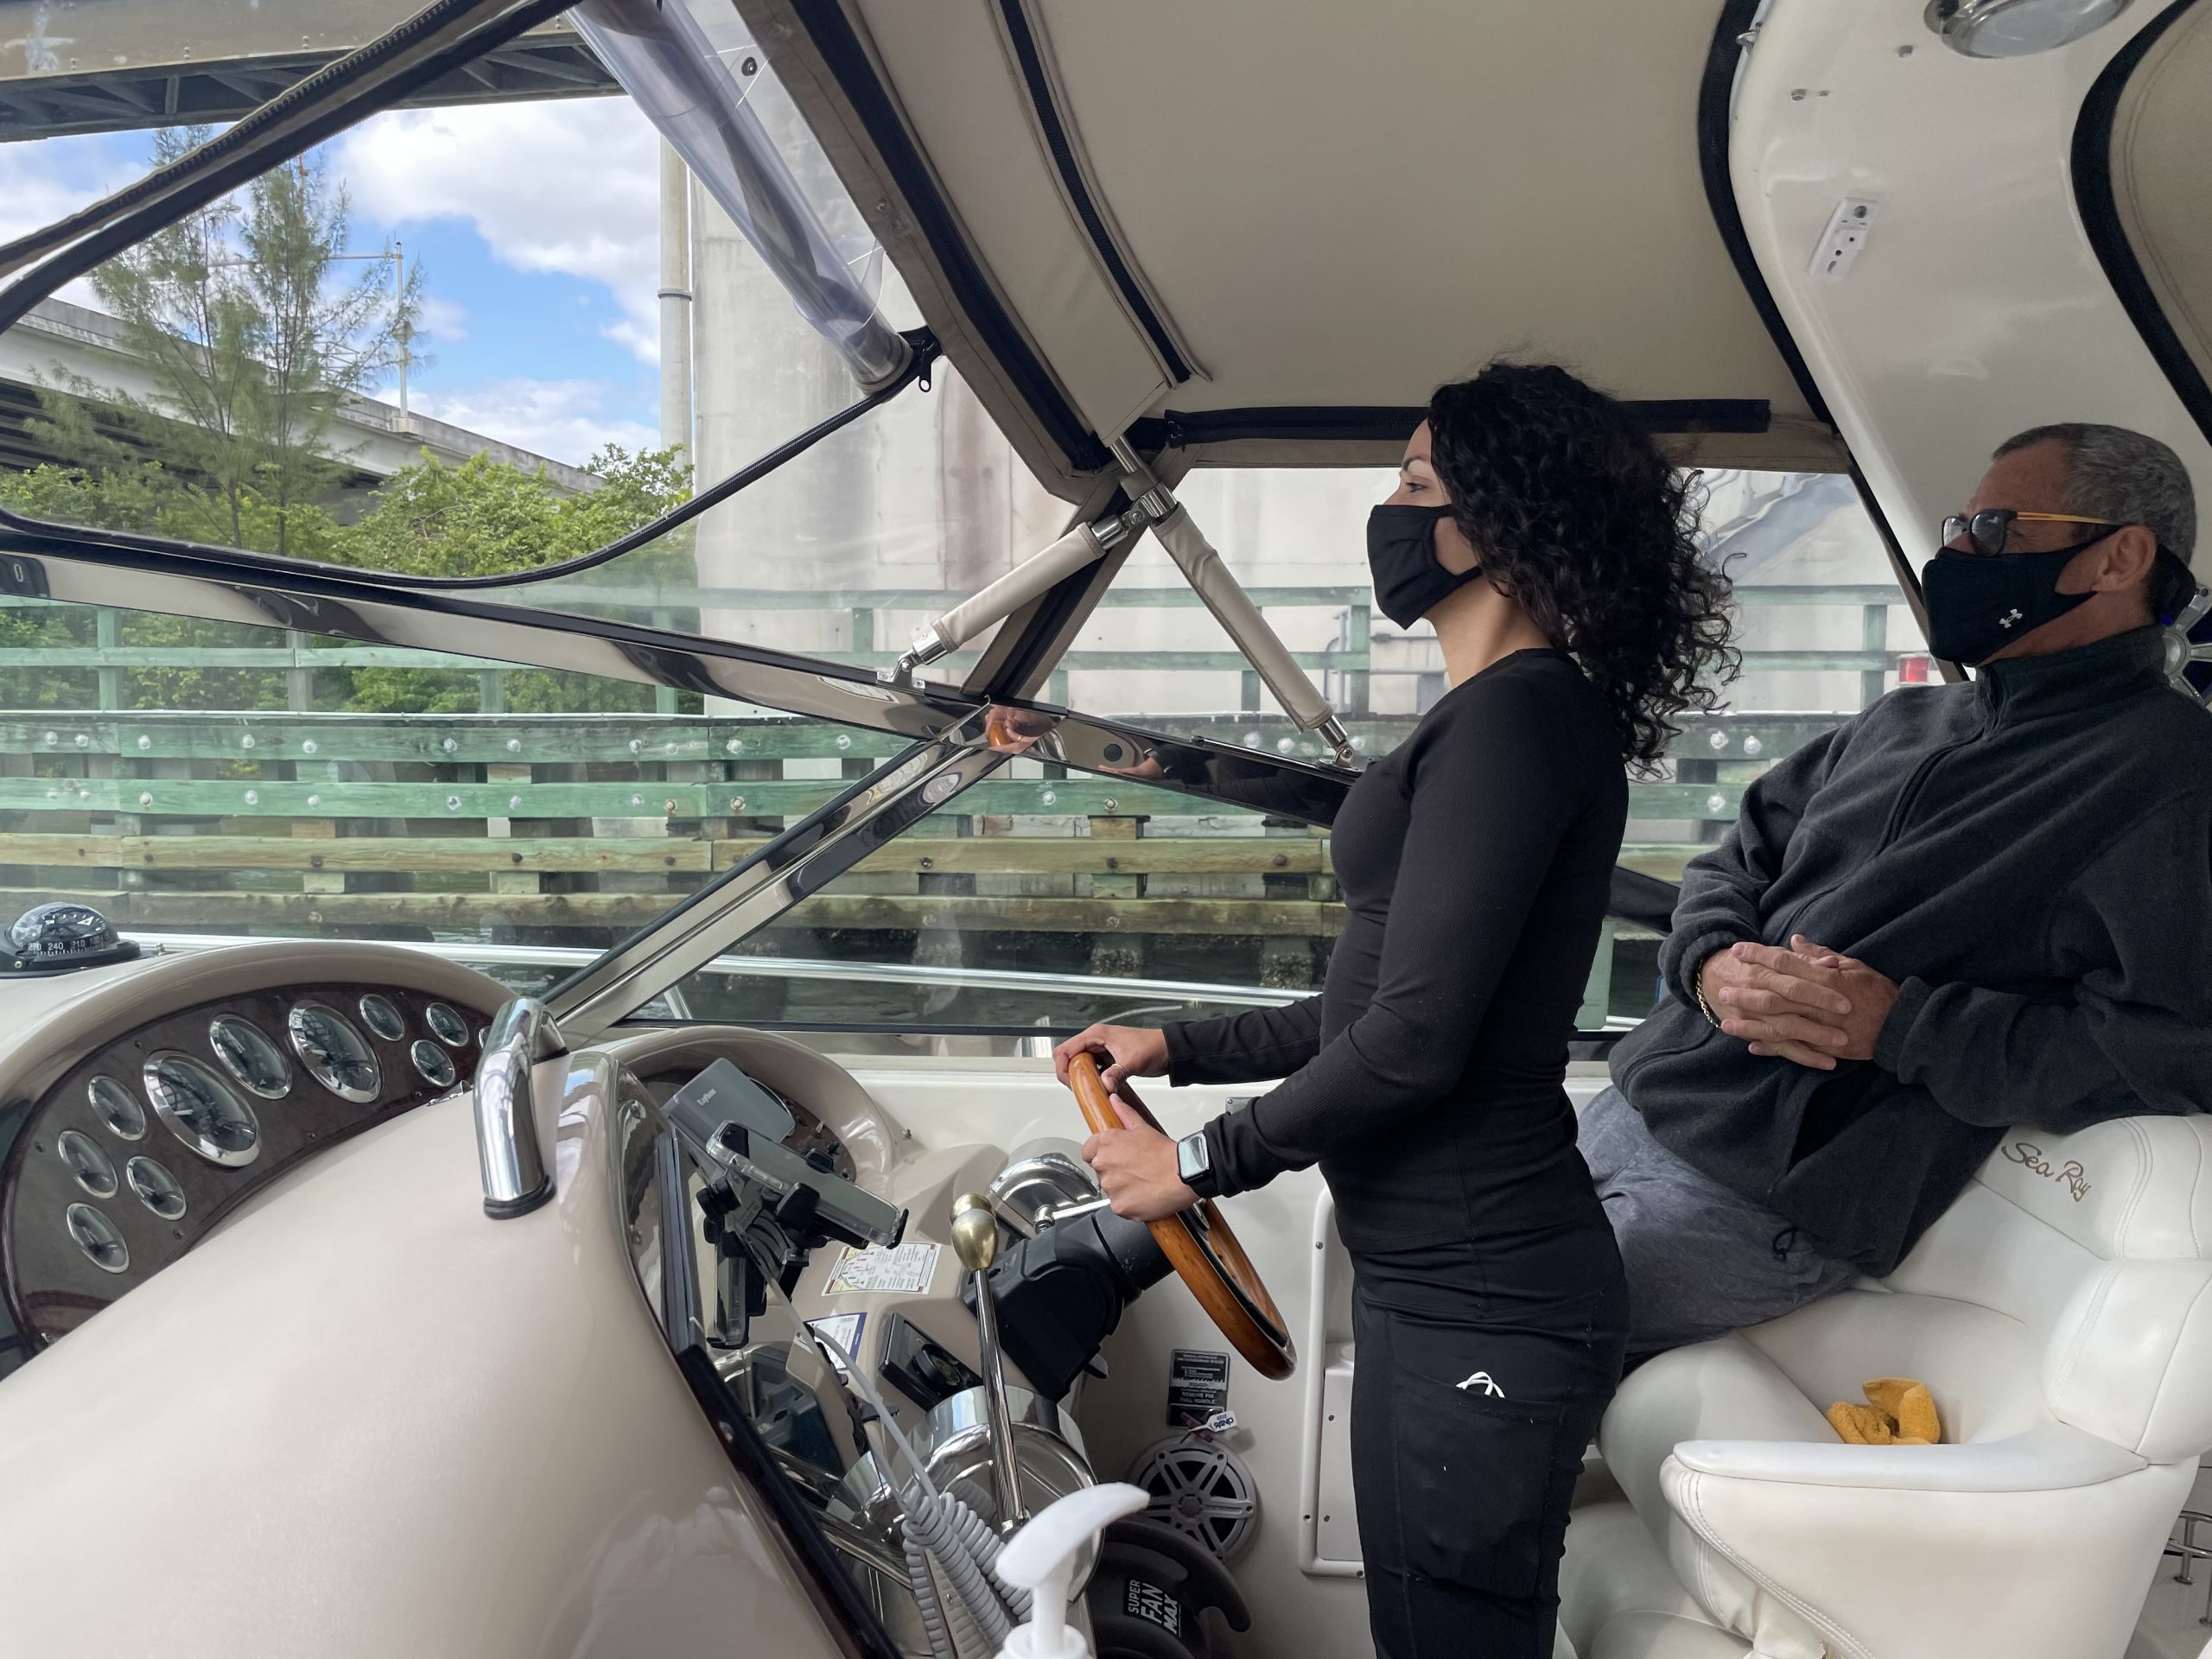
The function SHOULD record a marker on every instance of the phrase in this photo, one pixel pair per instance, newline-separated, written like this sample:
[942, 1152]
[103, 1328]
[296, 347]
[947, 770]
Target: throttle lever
[975, 1240]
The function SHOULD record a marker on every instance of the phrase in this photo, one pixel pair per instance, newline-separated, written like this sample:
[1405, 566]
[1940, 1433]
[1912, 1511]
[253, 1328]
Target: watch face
[1192, 1157]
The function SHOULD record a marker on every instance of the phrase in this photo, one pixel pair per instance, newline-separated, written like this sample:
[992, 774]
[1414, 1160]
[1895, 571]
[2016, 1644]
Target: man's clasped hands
[1808, 1004]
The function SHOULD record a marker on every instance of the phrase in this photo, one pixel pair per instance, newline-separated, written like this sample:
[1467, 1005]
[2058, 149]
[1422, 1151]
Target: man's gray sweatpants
[1703, 1260]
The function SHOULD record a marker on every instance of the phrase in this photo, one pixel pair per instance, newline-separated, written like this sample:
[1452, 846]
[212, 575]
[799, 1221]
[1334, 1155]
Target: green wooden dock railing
[571, 828]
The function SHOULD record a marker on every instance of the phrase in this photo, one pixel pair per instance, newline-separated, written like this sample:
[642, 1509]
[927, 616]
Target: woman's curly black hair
[1572, 511]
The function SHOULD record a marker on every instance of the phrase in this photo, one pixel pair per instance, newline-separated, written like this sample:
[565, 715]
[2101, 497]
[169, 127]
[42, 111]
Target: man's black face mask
[1979, 603]
[1401, 554]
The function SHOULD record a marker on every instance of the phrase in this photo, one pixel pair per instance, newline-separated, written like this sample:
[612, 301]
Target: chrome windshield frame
[803, 859]
[76, 564]
[437, 40]
[431, 43]
[80, 566]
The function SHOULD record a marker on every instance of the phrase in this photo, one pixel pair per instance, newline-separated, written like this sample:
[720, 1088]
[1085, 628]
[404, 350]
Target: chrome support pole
[516, 1177]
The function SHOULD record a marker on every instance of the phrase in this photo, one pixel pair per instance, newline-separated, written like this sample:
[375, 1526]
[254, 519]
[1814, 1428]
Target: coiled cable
[942, 1641]
[940, 1528]
[935, 1525]
[976, 1537]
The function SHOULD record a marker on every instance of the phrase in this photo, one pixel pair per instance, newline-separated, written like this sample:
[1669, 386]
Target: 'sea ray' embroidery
[2030, 1158]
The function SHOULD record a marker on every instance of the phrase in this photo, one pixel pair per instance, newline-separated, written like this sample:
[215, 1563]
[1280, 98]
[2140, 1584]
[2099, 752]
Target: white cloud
[562, 420]
[47, 179]
[445, 319]
[570, 185]
[642, 338]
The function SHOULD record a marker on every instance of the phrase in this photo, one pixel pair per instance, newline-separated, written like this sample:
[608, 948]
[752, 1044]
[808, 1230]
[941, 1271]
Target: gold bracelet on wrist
[1697, 991]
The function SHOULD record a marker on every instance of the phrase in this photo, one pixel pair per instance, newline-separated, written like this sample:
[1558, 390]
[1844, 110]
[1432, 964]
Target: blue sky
[535, 225]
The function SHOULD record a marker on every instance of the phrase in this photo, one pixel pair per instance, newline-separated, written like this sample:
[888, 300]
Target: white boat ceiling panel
[1329, 204]
[968, 112]
[2162, 178]
[1978, 306]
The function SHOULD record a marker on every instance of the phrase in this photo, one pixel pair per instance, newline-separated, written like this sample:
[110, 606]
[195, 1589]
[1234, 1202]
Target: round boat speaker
[1203, 1491]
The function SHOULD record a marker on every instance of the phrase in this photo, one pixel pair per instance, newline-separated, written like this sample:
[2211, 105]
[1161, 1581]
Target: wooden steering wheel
[1200, 1246]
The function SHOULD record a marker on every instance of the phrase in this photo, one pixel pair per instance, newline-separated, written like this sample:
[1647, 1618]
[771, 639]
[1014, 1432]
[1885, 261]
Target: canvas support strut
[1209, 578]
[1030, 580]
[1232, 606]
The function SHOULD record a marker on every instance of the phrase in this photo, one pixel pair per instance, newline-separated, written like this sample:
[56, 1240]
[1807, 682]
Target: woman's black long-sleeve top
[1426, 1079]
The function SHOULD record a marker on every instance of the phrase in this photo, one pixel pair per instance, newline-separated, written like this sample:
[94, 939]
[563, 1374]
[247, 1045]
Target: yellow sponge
[1900, 1412]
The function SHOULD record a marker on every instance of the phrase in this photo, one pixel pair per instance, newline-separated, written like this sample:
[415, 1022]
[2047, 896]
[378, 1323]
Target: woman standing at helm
[1555, 550]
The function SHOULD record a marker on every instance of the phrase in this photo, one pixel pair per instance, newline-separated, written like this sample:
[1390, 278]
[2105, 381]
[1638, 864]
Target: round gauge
[434, 1063]
[155, 1187]
[335, 1054]
[448, 1027]
[117, 1107]
[250, 1057]
[97, 1238]
[92, 1167]
[202, 1110]
[379, 1014]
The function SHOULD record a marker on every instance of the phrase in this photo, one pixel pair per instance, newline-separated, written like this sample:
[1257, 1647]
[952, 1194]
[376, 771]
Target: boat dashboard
[142, 1106]
[808, 1250]
[804, 1253]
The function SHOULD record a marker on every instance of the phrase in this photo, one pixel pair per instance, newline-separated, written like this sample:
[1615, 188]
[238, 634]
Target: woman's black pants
[1481, 1368]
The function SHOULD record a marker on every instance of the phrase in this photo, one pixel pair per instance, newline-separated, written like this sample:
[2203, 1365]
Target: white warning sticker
[909, 1268]
[842, 1329]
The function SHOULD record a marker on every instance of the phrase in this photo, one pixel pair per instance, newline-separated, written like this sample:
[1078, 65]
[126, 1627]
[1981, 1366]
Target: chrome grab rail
[516, 1178]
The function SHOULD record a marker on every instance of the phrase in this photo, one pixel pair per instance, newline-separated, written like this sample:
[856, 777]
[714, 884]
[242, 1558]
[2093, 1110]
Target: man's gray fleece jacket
[2030, 857]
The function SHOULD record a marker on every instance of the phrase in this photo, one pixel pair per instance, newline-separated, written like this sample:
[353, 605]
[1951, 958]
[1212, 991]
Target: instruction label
[907, 1268]
[1197, 1387]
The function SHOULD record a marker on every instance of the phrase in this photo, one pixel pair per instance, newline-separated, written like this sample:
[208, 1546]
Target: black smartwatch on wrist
[1194, 1163]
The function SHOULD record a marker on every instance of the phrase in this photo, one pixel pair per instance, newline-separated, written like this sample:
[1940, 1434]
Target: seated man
[1969, 907]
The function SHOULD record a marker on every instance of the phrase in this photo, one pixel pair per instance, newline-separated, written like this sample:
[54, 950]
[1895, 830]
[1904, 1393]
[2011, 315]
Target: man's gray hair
[2121, 478]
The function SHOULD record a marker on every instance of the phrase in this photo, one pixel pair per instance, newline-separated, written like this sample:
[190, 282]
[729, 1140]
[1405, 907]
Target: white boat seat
[2060, 1313]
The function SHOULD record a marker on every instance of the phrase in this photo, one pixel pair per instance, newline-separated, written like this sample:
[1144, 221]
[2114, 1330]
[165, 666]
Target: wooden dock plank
[1085, 796]
[943, 855]
[1131, 918]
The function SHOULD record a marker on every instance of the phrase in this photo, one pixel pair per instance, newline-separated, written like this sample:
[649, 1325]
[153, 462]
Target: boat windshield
[200, 780]
[433, 345]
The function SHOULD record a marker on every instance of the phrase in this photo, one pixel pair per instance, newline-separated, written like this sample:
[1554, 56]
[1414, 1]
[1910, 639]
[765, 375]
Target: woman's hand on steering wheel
[1135, 1166]
[1123, 1050]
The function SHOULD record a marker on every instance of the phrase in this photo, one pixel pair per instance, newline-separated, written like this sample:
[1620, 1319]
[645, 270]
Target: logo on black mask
[1979, 603]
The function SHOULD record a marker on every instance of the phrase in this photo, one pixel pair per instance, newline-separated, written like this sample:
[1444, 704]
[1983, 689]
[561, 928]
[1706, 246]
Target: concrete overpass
[59, 341]
[109, 65]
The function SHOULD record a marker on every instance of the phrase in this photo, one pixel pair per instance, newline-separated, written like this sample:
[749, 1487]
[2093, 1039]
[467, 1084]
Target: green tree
[486, 518]
[252, 342]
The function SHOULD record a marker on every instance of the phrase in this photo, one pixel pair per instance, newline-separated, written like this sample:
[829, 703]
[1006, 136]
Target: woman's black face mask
[1979, 603]
[1410, 584]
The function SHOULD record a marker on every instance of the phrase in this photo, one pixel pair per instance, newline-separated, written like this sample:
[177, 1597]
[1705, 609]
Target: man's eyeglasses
[1988, 531]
